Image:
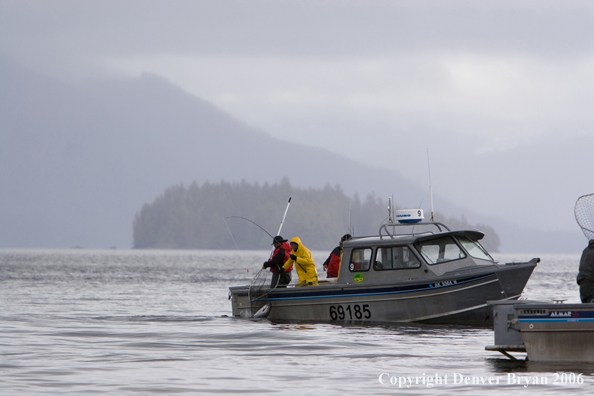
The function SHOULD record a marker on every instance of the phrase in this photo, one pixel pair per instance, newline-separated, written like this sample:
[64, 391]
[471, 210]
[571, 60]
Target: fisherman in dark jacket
[282, 252]
[585, 277]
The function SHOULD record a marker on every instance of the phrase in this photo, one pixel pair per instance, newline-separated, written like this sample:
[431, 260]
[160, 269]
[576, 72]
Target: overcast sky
[500, 93]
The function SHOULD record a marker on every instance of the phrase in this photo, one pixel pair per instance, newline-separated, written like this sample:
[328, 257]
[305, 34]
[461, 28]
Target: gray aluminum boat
[557, 332]
[411, 272]
[547, 331]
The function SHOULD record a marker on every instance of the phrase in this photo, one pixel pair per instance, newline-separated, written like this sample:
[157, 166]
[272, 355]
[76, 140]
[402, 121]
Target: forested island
[208, 217]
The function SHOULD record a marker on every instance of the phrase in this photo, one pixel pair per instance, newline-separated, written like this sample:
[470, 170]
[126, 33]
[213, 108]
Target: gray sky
[500, 93]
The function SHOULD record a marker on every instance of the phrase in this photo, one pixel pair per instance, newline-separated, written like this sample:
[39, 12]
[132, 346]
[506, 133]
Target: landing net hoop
[259, 289]
[584, 214]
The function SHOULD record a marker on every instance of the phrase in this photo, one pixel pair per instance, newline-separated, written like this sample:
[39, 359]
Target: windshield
[474, 249]
[439, 250]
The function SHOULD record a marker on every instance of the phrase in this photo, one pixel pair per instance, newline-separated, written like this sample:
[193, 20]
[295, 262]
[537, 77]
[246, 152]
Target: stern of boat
[240, 301]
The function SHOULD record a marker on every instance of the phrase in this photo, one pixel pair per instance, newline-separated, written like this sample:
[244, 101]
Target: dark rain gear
[280, 256]
[585, 277]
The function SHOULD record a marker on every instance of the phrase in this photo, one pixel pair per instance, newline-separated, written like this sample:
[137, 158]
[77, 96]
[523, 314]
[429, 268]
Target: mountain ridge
[79, 161]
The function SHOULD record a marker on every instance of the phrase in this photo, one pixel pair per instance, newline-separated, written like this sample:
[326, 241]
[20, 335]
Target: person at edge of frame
[281, 254]
[585, 277]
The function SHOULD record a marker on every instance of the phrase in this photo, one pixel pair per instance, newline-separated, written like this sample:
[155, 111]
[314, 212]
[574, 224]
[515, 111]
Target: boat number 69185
[350, 312]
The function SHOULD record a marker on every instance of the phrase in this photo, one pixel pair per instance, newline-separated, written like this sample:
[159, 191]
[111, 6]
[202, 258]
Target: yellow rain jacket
[304, 265]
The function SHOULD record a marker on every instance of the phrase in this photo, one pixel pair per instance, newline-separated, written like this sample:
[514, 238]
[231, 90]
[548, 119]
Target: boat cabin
[410, 252]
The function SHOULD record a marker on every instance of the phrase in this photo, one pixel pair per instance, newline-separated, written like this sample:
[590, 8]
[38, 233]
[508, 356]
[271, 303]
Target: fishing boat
[547, 331]
[412, 271]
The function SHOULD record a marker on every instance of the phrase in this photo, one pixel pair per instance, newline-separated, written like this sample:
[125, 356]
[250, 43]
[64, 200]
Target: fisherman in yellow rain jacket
[304, 264]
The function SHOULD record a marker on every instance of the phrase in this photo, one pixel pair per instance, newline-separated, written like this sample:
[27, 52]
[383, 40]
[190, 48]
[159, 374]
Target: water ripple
[126, 322]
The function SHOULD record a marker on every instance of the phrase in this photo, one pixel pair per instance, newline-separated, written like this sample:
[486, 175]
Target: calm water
[157, 322]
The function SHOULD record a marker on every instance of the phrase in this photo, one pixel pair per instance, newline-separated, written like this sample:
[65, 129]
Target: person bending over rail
[281, 255]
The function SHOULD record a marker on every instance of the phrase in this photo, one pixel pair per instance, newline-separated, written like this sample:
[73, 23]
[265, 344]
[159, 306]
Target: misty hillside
[190, 217]
[77, 162]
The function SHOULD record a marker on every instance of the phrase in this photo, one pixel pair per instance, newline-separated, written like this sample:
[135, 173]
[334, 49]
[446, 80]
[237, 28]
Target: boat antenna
[584, 214]
[351, 230]
[430, 188]
[390, 209]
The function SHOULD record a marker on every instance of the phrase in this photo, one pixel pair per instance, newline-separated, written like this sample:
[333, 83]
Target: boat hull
[557, 332]
[454, 299]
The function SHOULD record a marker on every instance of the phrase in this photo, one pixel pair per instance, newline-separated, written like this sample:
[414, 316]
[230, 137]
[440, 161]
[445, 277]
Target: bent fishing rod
[258, 277]
[253, 222]
[257, 225]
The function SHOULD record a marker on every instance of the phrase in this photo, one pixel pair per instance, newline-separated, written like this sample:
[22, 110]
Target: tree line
[209, 217]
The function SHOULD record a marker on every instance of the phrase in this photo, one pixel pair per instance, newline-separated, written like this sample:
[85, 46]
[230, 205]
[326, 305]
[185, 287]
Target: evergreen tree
[202, 217]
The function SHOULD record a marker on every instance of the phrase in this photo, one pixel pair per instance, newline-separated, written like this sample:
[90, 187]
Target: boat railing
[384, 230]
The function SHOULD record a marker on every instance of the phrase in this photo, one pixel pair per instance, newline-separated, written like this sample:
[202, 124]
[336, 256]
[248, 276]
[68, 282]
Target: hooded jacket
[304, 264]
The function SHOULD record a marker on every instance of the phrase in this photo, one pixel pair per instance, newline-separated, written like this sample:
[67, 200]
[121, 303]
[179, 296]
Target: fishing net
[260, 287]
[584, 214]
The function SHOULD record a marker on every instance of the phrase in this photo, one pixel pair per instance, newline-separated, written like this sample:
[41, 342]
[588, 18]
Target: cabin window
[439, 250]
[474, 248]
[360, 260]
[395, 257]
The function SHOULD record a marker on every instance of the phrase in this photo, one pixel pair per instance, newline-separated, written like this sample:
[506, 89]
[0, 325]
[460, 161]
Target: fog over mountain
[78, 161]
[106, 103]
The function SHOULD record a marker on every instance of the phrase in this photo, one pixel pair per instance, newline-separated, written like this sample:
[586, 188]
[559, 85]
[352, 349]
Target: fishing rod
[257, 225]
[257, 282]
[281, 224]
[253, 222]
[230, 233]
[285, 215]
[258, 289]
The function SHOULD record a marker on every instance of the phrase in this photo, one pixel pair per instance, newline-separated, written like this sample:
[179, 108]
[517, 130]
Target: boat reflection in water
[413, 271]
